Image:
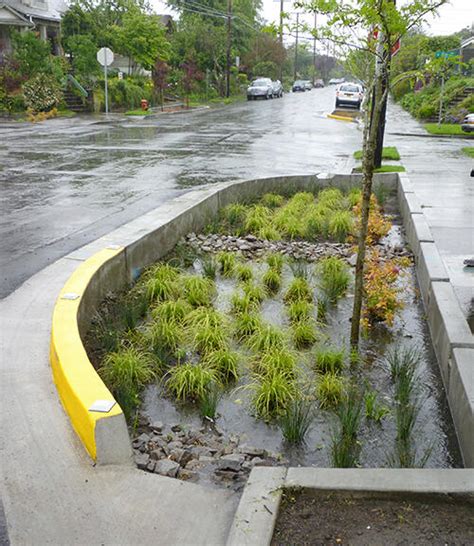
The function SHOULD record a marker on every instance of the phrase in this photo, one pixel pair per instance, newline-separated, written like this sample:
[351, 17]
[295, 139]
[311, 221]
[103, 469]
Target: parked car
[298, 86]
[468, 123]
[336, 81]
[261, 87]
[318, 83]
[308, 85]
[277, 89]
[349, 94]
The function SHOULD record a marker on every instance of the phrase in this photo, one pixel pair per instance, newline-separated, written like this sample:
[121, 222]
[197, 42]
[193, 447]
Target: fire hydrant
[144, 104]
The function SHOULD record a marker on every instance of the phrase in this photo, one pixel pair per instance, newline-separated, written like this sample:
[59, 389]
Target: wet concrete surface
[66, 182]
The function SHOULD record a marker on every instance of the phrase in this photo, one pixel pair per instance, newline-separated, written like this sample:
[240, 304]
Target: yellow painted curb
[340, 118]
[77, 382]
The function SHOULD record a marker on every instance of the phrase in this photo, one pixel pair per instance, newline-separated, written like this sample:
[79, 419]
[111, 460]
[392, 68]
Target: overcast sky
[452, 17]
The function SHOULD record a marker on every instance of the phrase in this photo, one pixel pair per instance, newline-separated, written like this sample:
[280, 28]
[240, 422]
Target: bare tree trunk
[161, 99]
[369, 145]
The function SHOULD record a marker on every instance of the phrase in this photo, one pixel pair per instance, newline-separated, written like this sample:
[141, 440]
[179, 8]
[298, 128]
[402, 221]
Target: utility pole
[281, 37]
[229, 46]
[296, 45]
[314, 49]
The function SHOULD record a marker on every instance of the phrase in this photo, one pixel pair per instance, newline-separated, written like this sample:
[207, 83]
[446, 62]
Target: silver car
[468, 123]
[277, 89]
[261, 87]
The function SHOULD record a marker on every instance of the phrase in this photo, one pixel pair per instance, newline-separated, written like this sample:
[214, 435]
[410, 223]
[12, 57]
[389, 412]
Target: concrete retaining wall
[153, 235]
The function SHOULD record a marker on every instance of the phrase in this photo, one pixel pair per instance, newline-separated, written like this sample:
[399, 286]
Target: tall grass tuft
[304, 334]
[272, 394]
[373, 409]
[272, 200]
[208, 339]
[344, 446]
[234, 215]
[330, 359]
[300, 310]
[299, 268]
[341, 224]
[227, 262]
[225, 363]
[209, 267]
[198, 290]
[209, 401]
[272, 280]
[266, 338]
[171, 311]
[190, 381]
[246, 324]
[276, 360]
[330, 390]
[244, 272]
[296, 420]
[165, 336]
[334, 277]
[255, 293]
[275, 261]
[258, 217]
[299, 290]
[242, 304]
[331, 198]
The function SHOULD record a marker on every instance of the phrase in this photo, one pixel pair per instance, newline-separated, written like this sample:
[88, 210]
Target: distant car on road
[298, 86]
[349, 94]
[308, 85]
[277, 89]
[336, 81]
[468, 123]
[260, 87]
[318, 83]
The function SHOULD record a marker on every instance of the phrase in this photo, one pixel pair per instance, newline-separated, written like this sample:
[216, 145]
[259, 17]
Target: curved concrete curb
[103, 432]
[341, 118]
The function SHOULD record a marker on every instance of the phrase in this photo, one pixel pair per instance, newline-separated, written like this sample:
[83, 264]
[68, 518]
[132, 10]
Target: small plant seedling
[373, 409]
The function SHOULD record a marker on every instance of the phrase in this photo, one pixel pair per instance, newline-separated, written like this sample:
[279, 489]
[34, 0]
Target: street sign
[446, 54]
[395, 47]
[105, 56]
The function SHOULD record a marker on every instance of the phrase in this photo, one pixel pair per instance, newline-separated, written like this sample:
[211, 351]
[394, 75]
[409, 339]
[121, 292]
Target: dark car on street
[299, 85]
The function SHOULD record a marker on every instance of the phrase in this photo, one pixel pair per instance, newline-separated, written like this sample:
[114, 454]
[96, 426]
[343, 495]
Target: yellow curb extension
[77, 382]
[340, 118]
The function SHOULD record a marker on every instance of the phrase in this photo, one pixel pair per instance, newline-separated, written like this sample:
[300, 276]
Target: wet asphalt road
[66, 182]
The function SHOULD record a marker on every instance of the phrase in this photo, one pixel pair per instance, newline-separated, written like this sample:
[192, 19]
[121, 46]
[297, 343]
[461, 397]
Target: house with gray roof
[41, 16]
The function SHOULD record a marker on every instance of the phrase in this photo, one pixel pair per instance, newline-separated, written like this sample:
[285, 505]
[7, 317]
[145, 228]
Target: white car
[468, 123]
[261, 87]
[349, 94]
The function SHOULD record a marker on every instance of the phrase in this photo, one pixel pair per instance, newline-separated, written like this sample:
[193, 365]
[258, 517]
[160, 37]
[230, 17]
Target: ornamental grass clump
[204, 317]
[227, 262]
[258, 217]
[374, 410]
[333, 277]
[209, 401]
[331, 198]
[296, 420]
[244, 272]
[161, 283]
[340, 225]
[199, 291]
[315, 224]
[299, 290]
[330, 390]
[242, 304]
[208, 339]
[269, 233]
[304, 334]
[300, 310]
[234, 216]
[344, 446]
[190, 381]
[209, 267]
[171, 311]
[275, 261]
[272, 200]
[272, 394]
[225, 363]
[300, 201]
[266, 338]
[299, 268]
[125, 372]
[255, 293]
[165, 336]
[279, 360]
[330, 360]
[246, 324]
[272, 280]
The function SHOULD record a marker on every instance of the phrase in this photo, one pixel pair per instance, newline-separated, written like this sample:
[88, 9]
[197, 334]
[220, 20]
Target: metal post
[106, 85]
[281, 37]
[440, 113]
[314, 48]
[229, 45]
[296, 45]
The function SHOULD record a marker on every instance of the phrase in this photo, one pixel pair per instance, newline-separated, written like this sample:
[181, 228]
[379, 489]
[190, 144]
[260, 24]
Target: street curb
[104, 435]
[341, 118]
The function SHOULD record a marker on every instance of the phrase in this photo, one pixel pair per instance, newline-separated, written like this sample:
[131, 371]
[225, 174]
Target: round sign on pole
[105, 56]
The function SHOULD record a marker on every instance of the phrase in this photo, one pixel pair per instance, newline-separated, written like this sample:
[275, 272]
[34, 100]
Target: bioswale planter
[112, 262]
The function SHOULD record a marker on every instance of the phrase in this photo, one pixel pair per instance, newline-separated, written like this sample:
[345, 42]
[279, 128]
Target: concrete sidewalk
[440, 174]
[51, 491]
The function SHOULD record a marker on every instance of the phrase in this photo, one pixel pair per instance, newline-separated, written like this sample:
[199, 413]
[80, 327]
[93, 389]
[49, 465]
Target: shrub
[42, 93]
[334, 277]
[296, 420]
[299, 290]
[272, 280]
[329, 360]
[378, 225]
[330, 390]
[190, 381]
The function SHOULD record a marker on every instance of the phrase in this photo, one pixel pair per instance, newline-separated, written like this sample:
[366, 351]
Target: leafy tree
[142, 37]
[351, 26]
[83, 53]
[191, 75]
[32, 54]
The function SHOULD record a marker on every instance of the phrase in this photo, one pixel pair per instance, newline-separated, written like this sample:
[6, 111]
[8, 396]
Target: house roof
[49, 10]
[9, 16]
[467, 42]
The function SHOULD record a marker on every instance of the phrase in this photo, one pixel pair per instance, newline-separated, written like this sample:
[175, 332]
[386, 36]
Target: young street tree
[353, 25]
